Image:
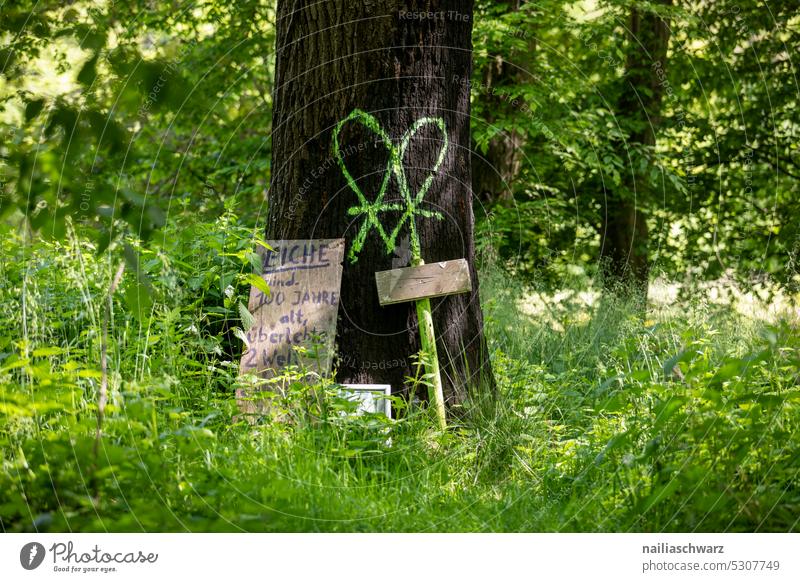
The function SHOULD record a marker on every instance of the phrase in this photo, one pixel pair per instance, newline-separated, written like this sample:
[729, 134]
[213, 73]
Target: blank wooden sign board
[424, 281]
[304, 277]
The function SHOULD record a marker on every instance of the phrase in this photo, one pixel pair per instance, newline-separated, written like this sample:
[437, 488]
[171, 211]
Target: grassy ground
[687, 419]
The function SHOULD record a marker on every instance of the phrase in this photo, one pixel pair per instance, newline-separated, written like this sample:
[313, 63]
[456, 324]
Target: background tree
[498, 160]
[624, 251]
[399, 62]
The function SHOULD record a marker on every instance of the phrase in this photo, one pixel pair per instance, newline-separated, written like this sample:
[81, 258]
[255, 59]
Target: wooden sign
[424, 281]
[300, 311]
[419, 283]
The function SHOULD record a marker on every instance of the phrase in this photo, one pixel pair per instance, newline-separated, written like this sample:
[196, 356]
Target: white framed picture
[371, 397]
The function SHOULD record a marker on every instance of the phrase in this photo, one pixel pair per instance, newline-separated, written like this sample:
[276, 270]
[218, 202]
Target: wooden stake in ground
[420, 283]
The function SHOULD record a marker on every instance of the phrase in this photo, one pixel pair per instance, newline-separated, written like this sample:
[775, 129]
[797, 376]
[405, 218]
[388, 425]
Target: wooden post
[419, 283]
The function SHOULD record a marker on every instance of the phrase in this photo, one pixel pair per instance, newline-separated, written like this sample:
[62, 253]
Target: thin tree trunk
[494, 172]
[396, 61]
[624, 251]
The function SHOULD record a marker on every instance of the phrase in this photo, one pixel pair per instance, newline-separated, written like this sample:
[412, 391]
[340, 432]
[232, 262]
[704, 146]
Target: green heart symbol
[394, 166]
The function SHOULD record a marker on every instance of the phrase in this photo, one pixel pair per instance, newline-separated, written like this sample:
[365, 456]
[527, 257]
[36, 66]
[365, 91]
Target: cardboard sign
[304, 278]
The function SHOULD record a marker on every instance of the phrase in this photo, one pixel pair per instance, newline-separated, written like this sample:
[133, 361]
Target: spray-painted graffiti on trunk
[394, 167]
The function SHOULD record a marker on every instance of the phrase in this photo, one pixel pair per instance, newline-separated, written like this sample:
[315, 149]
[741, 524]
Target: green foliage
[603, 422]
[109, 115]
[718, 188]
[137, 134]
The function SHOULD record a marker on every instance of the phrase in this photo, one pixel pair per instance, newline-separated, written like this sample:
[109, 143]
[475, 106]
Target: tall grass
[685, 419]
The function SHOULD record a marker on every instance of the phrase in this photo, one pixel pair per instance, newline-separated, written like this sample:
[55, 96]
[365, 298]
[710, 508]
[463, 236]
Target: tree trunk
[624, 249]
[494, 172]
[398, 62]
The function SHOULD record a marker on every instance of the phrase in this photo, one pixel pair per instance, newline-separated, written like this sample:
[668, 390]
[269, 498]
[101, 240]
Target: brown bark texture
[399, 62]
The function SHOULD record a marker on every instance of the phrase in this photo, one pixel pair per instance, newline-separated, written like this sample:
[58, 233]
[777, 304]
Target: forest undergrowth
[685, 417]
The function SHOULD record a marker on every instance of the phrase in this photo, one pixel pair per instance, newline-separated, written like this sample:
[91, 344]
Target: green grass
[686, 419]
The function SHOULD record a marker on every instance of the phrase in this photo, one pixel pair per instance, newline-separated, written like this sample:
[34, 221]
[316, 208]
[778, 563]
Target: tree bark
[397, 61]
[624, 249]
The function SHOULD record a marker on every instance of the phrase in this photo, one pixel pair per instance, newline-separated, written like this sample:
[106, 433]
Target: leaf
[614, 442]
[237, 332]
[247, 318]
[103, 239]
[48, 351]
[667, 409]
[132, 260]
[139, 292]
[88, 72]
[138, 300]
[259, 283]
[255, 261]
[735, 367]
[260, 242]
[670, 363]
[65, 118]
[15, 363]
[659, 494]
[607, 384]
[614, 403]
[107, 130]
[156, 215]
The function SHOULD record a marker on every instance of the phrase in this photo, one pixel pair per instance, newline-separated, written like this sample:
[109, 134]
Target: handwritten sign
[295, 323]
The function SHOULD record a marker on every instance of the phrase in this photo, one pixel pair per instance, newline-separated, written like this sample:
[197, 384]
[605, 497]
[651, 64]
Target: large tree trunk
[624, 250]
[396, 61]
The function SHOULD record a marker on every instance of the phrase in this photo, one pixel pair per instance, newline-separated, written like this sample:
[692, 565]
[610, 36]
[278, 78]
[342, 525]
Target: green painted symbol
[394, 166]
